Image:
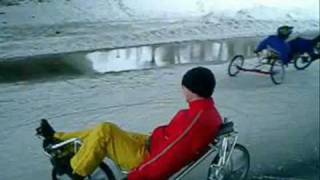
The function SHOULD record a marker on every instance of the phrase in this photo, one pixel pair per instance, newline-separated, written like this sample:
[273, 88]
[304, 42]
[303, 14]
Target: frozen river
[278, 124]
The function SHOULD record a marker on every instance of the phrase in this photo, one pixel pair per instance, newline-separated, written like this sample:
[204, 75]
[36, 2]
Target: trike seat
[226, 128]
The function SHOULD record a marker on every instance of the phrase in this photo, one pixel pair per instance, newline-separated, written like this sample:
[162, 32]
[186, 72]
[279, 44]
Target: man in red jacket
[166, 151]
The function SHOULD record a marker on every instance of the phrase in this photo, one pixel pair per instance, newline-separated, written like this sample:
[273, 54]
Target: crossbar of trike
[254, 70]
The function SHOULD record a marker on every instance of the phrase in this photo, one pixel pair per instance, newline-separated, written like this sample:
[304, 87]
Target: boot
[45, 129]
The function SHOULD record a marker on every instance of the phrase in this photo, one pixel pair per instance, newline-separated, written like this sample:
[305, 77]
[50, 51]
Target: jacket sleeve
[262, 45]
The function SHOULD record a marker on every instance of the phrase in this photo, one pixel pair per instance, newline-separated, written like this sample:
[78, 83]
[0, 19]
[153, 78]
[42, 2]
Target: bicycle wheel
[235, 64]
[215, 173]
[102, 173]
[302, 62]
[236, 168]
[277, 71]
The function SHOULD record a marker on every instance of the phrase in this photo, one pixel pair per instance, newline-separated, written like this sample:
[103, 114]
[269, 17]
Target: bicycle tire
[228, 172]
[212, 170]
[108, 173]
[235, 64]
[277, 74]
[302, 62]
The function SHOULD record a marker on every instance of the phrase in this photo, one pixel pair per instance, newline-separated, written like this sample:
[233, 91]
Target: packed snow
[30, 28]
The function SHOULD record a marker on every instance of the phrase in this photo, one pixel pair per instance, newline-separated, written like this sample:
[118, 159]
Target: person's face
[189, 95]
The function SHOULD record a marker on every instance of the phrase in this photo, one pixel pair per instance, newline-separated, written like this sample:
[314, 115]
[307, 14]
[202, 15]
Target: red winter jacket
[183, 140]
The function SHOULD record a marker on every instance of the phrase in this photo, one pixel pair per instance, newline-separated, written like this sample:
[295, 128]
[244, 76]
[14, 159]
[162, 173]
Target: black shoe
[45, 130]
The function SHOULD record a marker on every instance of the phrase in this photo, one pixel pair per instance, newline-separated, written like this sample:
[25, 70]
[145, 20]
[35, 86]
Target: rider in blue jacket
[278, 43]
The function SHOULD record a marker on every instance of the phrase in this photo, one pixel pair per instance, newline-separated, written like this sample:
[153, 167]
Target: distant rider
[278, 43]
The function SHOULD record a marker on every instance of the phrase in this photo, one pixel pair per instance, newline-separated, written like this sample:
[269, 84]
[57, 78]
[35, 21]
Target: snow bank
[15, 12]
[40, 27]
[61, 11]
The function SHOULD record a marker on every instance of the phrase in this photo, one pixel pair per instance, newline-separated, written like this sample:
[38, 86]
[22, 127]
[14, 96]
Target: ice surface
[278, 124]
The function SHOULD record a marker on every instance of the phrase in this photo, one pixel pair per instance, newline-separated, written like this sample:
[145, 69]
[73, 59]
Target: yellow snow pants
[126, 149]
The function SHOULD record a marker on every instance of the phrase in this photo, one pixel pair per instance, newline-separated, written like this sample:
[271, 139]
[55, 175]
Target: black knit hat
[200, 81]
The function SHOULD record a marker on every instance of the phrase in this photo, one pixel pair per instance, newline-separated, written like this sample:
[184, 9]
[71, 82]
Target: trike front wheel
[235, 65]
